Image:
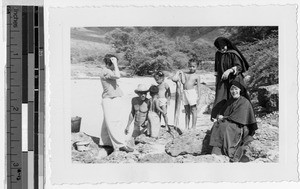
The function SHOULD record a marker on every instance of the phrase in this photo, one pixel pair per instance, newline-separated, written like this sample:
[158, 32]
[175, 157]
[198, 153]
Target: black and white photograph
[174, 94]
[144, 94]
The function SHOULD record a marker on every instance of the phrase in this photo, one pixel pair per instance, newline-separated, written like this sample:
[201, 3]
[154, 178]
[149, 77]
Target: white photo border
[59, 106]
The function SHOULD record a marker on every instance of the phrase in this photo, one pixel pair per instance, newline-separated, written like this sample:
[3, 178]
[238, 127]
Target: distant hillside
[89, 44]
[208, 34]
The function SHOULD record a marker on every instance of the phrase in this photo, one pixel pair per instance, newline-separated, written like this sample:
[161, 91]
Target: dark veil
[220, 42]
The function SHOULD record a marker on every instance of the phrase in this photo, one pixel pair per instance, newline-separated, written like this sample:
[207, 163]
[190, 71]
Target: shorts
[190, 97]
[162, 101]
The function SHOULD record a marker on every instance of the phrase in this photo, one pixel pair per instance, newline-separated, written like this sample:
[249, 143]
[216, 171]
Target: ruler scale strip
[41, 97]
[25, 97]
[36, 97]
[30, 97]
[14, 93]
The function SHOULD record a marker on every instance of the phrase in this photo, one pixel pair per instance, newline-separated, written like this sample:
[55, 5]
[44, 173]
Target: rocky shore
[189, 147]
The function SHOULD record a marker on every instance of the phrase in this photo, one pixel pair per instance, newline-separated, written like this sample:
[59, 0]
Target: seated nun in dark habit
[235, 124]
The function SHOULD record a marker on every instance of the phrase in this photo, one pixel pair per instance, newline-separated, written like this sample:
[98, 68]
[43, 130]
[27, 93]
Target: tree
[252, 34]
[145, 51]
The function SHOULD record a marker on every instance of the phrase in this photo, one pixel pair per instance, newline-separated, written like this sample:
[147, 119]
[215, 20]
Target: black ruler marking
[36, 98]
[41, 97]
[30, 29]
[14, 121]
[25, 81]
[25, 55]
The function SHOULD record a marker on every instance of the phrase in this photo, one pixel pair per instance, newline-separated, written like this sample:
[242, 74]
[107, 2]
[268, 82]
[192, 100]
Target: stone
[206, 148]
[190, 142]
[165, 136]
[119, 157]
[207, 97]
[268, 97]
[192, 146]
[156, 158]
[265, 147]
[143, 139]
[212, 158]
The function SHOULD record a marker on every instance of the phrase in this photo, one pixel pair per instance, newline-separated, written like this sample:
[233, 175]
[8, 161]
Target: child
[190, 81]
[154, 107]
[154, 112]
[164, 95]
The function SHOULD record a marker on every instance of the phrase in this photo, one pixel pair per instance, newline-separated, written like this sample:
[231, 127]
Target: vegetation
[263, 56]
[146, 49]
[260, 47]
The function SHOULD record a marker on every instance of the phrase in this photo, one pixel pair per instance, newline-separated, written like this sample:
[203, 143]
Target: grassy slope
[87, 44]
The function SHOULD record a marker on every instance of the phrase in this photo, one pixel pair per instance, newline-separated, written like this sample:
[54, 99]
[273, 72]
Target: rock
[118, 157]
[165, 136]
[206, 148]
[102, 154]
[93, 152]
[207, 97]
[265, 147]
[156, 158]
[268, 97]
[189, 142]
[80, 137]
[202, 159]
[144, 148]
[209, 108]
[143, 139]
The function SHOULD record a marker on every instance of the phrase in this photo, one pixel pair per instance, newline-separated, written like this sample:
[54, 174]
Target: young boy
[154, 112]
[191, 91]
[164, 95]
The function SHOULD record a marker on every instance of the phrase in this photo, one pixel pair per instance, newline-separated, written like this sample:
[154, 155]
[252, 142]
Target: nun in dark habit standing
[229, 66]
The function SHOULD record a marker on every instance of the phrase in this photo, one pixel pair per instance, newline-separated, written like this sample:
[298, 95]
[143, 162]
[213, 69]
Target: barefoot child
[154, 112]
[191, 91]
[164, 95]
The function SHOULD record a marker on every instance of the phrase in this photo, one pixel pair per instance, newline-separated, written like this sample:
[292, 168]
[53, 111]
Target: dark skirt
[227, 136]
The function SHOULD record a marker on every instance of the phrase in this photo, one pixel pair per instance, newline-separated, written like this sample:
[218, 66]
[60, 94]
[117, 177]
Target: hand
[114, 61]
[220, 117]
[145, 124]
[226, 74]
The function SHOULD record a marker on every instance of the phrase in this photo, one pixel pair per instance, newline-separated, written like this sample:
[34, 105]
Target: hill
[145, 49]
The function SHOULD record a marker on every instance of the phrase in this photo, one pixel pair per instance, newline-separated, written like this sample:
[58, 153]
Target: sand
[86, 101]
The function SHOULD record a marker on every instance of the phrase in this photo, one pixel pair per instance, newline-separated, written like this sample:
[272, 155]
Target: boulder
[190, 142]
[202, 159]
[265, 147]
[156, 158]
[118, 157]
[143, 139]
[207, 97]
[93, 151]
[268, 97]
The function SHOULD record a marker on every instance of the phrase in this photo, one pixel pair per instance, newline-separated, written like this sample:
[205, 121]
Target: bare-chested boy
[164, 95]
[191, 91]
